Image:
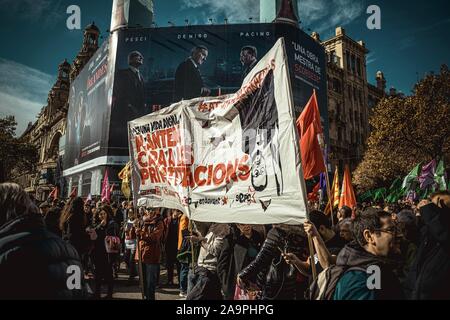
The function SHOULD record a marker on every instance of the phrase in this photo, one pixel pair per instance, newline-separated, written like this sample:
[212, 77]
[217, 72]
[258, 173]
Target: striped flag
[335, 194]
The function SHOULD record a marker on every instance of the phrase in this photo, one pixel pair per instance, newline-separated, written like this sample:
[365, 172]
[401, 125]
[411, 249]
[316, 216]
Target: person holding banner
[150, 249]
[280, 277]
[204, 280]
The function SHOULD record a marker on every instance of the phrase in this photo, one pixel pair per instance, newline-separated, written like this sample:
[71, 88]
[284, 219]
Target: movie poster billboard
[233, 158]
[154, 68]
[88, 116]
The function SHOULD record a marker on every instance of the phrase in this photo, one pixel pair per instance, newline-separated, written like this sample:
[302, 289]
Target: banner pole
[136, 212]
[302, 179]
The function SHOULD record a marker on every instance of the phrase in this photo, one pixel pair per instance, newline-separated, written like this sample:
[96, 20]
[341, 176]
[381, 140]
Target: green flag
[411, 177]
[379, 194]
[439, 176]
[366, 195]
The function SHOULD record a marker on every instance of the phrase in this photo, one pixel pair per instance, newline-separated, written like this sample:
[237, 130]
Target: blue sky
[414, 38]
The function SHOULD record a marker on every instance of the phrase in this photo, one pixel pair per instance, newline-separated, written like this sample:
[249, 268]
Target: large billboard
[204, 157]
[141, 70]
[88, 116]
[159, 66]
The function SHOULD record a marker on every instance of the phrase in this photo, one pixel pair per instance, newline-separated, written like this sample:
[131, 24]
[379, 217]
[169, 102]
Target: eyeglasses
[392, 230]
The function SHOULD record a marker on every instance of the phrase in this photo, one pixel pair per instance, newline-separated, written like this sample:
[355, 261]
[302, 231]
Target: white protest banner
[226, 159]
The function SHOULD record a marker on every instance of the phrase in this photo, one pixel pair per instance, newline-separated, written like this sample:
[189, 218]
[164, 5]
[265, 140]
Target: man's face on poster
[246, 57]
[200, 56]
[136, 60]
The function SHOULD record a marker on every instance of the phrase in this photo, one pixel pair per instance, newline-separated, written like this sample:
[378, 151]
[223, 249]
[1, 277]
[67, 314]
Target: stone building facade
[47, 133]
[350, 98]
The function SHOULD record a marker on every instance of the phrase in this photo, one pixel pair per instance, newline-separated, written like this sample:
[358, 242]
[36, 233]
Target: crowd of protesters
[370, 252]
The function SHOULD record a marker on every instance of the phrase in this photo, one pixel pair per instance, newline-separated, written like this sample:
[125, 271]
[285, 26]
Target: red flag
[314, 194]
[106, 191]
[308, 124]
[74, 193]
[54, 193]
[347, 193]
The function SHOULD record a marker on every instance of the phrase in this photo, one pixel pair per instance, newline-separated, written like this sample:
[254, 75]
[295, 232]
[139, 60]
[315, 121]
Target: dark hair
[318, 218]
[369, 219]
[14, 202]
[346, 212]
[440, 193]
[73, 208]
[108, 210]
[251, 49]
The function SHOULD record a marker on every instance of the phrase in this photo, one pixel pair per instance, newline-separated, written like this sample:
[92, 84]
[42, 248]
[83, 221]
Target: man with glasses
[369, 270]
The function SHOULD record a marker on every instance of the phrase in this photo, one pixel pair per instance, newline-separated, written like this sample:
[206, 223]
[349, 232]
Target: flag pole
[310, 242]
[329, 195]
[327, 179]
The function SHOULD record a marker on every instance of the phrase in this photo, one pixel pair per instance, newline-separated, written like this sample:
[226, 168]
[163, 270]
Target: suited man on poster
[130, 88]
[188, 80]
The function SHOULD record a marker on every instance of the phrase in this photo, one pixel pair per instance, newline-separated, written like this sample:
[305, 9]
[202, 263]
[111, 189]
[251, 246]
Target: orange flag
[308, 124]
[347, 193]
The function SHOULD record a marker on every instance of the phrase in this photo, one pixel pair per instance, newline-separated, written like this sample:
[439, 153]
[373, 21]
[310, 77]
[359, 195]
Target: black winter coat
[271, 272]
[74, 232]
[232, 259]
[429, 276]
[51, 220]
[34, 261]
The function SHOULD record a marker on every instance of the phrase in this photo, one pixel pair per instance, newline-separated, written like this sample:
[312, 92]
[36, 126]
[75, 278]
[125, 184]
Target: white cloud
[235, 10]
[370, 58]
[318, 15]
[326, 15]
[23, 92]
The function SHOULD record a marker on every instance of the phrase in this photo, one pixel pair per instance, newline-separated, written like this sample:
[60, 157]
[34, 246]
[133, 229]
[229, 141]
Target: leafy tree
[15, 153]
[406, 131]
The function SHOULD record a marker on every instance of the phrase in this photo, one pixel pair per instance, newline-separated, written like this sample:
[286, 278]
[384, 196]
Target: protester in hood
[33, 261]
[375, 234]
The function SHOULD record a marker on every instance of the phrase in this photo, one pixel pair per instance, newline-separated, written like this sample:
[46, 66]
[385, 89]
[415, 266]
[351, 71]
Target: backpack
[325, 284]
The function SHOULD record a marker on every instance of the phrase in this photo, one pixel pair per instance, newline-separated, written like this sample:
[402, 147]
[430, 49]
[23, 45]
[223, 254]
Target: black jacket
[130, 94]
[270, 271]
[188, 81]
[101, 257]
[429, 276]
[74, 232]
[51, 220]
[34, 261]
[233, 258]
